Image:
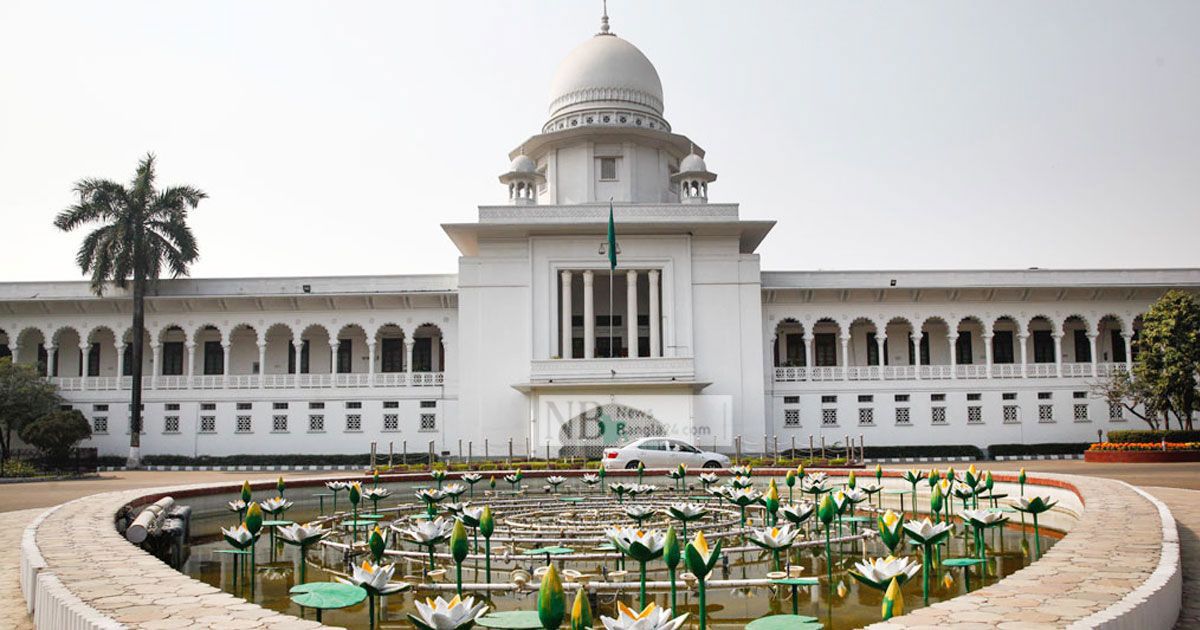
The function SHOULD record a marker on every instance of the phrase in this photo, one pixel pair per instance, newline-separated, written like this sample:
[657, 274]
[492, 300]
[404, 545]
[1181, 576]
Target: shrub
[56, 433]
[1144, 446]
[1047, 448]
[948, 450]
[1153, 436]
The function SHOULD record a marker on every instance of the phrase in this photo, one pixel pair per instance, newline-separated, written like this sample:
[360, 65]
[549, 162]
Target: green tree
[142, 231]
[1169, 355]
[24, 397]
[56, 433]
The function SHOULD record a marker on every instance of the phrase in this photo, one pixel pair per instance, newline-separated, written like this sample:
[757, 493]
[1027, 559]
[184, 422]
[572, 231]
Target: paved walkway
[12, 603]
[1185, 506]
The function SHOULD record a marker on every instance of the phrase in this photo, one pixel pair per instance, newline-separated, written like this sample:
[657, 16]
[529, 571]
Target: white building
[522, 341]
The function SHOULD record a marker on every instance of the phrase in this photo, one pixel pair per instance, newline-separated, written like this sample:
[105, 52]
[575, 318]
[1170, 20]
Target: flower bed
[1143, 452]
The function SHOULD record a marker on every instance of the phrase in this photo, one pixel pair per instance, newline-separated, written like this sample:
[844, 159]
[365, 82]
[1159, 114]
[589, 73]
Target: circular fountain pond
[569, 525]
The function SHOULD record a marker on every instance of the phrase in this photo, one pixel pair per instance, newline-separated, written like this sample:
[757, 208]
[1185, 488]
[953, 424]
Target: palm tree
[142, 229]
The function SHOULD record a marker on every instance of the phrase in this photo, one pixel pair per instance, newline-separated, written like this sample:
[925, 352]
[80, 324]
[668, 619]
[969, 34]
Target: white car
[657, 452]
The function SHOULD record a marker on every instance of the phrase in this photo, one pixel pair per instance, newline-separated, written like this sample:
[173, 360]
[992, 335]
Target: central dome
[605, 72]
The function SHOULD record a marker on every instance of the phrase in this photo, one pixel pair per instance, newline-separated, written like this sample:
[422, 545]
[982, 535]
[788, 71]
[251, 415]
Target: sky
[333, 138]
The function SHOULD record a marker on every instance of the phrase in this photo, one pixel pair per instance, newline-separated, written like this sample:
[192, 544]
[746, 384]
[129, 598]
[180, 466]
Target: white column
[225, 347]
[333, 346]
[120, 360]
[51, 361]
[156, 361]
[808, 352]
[15, 349]
[781, 348]
[845, 356]
[262, 364]
[589, 317]
[298, 344]
[567, 326]
[916, 351]
[987, 351]
[1058, 354]
[1092, 345]
[880, 340]
[952, 338]
[408, 357]
[189, 360]
[1128, 351]
[371, 362]
[655, 318]
[1023, 339]
[631, 309]
[84, 351]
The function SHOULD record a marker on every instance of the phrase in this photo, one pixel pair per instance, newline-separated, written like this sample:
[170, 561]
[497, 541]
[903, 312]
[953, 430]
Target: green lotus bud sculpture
[581, 611]
[700, 561]
[851, 480]
[551, 601]
[771, 502]
[935, 501]
[439, 475]
[826, 512]
[893, 601]
[376, 544]
[891, 530]
[459, 548]
[487, 525]
[671, 556]
[878, 472]
[934, 477]
[280, 486]
[790, 480]
[246, 492]
[641, 470]
[1021, 478]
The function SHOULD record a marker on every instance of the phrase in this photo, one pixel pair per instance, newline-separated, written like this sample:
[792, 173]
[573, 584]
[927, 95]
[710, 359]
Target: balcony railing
[252, 381]
[644, 368]
[941, 372]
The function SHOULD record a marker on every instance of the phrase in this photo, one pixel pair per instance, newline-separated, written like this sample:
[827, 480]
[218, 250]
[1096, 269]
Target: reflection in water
[1008, 550]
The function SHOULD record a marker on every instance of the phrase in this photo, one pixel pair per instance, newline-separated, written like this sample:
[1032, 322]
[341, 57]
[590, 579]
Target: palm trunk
[135, 411]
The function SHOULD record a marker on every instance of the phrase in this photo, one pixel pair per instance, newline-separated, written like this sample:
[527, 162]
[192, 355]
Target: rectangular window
[171, 407]
[345, 352]
[171, 424]
[825, 350]
[43, 360]
[100, 424]
[1118, 346]
[279, 406]
[791, 400]
[354, 405]
[127, 360]
[316, 423]
[1079, 395]
[279, 424]
[391, 422]
[316, 405]
[865, 398]
[208, 406]
[245, 406]
[1012, 414]
[1045, 395]
[901, 397]
[391, 404]
[1081, 413]
[791, 417]
[872, 349]
[829, 417]
[964, 349]
[974, 397]
[214, 358]
[354, 423]
[392, 356]
[1116, 412]
[423, 355]
[1046, 413]
[93, 360]
[429, 404]
[1043, 346]
[99, 407]
[172, 358]
[428, 422]
[1002, 347]
[795, 350]
[828, 399]
[1083, 347]
[608, 169]
[208, 424]
[937, 415]
[975, 414]
[903, 416]
[1008, 396]
[937, 397]
[866, 417]
[243, 425]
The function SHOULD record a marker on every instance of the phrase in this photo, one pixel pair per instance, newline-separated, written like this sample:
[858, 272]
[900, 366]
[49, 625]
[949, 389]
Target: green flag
[612, 239]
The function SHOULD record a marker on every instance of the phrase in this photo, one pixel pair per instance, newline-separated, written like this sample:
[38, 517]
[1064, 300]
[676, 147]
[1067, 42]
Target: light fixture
[307, 288]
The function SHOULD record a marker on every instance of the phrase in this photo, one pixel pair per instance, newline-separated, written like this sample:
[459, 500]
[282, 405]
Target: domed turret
[693, 179]
[522, 180]
[606, 81]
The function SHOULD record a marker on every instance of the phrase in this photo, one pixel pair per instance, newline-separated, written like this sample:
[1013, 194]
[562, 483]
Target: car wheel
[712, 463]
[631, 465]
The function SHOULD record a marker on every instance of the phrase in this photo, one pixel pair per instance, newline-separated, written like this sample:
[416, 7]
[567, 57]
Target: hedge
[1153, 436]
[1048, 448]
[948, 450]
[264, 460]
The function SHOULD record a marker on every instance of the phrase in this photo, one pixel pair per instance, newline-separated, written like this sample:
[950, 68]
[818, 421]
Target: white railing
[971, 370]
[900, 372]
[596, 369]
[943, 372]
[353, 380]
[278, 381]
[170, 382]
[825, 373]
[1041, 370]
[391, 379]
[1077, 369]
[68, 383]
[935, 371]
[105, 383]
[251, 381]
[863, 373]
[1006, 370]
[428, 379]
[791, 374]
[209, 381]
[1109, 369]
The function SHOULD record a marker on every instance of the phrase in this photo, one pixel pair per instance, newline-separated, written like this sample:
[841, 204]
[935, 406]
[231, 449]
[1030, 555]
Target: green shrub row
[1048, 448]
[1142, 436]
[948, 450]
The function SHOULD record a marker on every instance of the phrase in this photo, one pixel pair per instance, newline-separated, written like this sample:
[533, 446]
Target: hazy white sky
[334, 137]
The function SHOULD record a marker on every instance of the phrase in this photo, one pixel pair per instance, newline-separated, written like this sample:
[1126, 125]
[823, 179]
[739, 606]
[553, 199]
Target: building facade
[539, 342]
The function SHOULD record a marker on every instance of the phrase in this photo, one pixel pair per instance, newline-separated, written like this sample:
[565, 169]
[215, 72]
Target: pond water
[575, 517]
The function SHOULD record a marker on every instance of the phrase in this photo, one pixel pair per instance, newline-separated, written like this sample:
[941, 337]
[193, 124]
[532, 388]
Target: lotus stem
[701, 602]
[1037, 535]
[671, 575]
[926, 566]
[458, 577]
[371, 611]
[829, 561]
[643, 583]
[487, 558]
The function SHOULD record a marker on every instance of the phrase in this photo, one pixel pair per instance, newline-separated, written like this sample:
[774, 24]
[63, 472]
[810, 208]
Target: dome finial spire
[604, 19]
